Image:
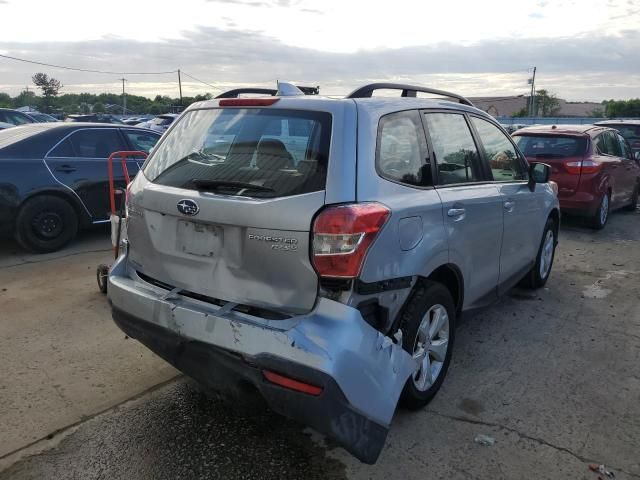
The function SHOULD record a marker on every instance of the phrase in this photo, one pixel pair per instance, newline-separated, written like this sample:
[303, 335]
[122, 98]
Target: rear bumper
[580, 203]
[361, 373]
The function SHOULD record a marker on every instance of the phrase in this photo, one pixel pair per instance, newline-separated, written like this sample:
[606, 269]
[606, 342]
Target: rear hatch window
[256, 152]
[551, 146]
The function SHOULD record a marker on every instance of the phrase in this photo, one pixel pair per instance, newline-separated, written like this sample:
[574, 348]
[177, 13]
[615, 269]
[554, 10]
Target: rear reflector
[583, 166]
[291, 384]
[342, 235]
[247, 102]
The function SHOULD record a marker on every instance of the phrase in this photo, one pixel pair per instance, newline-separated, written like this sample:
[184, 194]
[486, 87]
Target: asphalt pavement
[551, 376]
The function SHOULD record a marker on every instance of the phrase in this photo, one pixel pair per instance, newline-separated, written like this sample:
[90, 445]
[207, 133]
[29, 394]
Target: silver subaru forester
[318, 251]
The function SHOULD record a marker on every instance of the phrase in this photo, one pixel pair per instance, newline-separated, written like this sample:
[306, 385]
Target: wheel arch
[448, 275]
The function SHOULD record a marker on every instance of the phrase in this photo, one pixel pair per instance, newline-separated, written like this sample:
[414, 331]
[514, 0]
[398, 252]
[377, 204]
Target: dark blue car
[53, 178]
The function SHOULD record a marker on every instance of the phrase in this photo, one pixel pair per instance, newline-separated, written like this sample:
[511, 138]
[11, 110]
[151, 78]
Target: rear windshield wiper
[202, 184]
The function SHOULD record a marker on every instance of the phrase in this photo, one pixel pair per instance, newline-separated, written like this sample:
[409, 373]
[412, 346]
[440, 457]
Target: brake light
[291, 384]
[342, 236]
[247, 102]
[583, 166]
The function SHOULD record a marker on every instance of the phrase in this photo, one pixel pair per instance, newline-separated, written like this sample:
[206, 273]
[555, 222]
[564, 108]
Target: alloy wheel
[546, 255]
[431, 345]
[604, 209]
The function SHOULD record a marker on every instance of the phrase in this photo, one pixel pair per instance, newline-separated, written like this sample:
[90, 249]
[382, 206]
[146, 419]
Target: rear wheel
[599, 220]
[102, 275]
[428, 327]
[46, 224]
[539, 274]
[634, 199]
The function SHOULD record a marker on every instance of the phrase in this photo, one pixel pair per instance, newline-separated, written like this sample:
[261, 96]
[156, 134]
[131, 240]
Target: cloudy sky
[583, 49]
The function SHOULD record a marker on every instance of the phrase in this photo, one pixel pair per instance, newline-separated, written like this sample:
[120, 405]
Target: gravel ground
[551, 375]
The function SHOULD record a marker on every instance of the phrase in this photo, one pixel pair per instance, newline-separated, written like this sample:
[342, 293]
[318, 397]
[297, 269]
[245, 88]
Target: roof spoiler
[407, 91]
[235, 93]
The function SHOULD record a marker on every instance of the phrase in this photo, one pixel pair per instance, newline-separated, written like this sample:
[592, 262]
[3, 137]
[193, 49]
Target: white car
[161, 123]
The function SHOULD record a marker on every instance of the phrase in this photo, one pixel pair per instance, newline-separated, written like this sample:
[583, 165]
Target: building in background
[510, 106]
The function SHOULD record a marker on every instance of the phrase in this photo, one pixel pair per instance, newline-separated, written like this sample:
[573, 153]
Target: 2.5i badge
[277, 243]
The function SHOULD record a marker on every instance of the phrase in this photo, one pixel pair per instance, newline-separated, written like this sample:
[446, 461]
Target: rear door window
[614, 145]
[454, 150]
[401, 151]
[63, 150]
[608, 144]
[96, 143]
[258, 152]
[503, 158]
[624, 147]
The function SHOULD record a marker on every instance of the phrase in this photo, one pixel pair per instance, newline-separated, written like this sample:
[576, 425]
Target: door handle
[456, 212]
[66, 169]
[508, 205]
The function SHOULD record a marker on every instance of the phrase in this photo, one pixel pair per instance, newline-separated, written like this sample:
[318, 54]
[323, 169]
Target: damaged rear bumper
[361, 372]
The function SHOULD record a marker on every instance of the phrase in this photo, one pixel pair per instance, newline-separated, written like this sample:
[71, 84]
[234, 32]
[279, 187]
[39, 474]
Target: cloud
[231, 57]
[260, 3]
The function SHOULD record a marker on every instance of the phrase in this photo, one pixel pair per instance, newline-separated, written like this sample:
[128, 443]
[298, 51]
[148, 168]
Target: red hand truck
[116, 215]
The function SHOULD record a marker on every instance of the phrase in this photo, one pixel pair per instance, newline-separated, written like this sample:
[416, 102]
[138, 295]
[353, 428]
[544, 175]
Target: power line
[83, 69]
[198, 80]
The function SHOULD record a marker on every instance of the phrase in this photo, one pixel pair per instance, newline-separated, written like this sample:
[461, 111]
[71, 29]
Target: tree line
[51, 100]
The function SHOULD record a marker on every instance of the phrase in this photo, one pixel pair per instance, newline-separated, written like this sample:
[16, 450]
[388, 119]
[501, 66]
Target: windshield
[249, 152]
[551, 146]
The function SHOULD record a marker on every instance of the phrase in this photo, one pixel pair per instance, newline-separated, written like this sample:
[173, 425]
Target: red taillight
[247, 102]
[291, 384]
[342, 235]
[583, 166]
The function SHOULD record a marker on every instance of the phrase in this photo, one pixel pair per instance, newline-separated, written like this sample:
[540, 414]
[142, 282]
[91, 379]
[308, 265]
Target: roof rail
[235, 93]
[407, 91]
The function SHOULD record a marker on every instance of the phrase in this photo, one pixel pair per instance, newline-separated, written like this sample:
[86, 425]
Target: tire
[102, 275]
[634, 199]
[46, 224]
[600, 218]
[539, 274]
[428, 300]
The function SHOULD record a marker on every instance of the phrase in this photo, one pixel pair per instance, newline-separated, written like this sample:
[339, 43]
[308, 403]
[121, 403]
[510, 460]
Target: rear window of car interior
[256, 152]
[551, 146]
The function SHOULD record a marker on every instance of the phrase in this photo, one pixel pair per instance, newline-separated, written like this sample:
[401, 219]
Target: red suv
[593, 166]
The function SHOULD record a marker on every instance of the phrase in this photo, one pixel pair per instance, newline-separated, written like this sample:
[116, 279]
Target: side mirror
[538, 173]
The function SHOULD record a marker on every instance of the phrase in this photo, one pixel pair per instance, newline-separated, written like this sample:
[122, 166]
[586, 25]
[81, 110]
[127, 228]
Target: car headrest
[272, 154]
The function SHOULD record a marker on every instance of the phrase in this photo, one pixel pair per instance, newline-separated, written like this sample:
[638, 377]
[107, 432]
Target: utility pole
[124, 98]
[532, 101]
[180, 86]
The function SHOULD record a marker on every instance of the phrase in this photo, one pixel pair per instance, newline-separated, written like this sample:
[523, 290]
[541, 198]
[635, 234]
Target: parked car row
[593, 165]
[53, 178]
[160, 123]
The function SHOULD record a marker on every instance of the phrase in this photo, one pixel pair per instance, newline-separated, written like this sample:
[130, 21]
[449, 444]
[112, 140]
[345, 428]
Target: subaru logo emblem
[188, 207]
